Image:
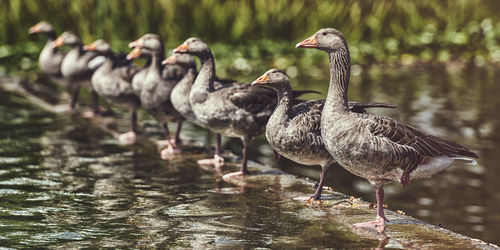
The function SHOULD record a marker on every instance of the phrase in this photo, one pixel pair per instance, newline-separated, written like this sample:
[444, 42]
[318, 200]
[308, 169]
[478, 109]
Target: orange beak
[136, 52]
[182, 48]
[308, 43]
[169, 60]
[261, 80]
[91, 46]
[58, 42]
[35, 29]
[137, 43]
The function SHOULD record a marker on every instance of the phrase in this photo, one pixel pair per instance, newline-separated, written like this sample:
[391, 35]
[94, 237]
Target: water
[64, 182]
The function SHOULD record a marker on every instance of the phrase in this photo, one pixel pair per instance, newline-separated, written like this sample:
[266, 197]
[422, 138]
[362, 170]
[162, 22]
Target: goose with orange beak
[74, 67]
[153, 85]
[377, 148]
[50, 58]
[294, 130]
[180, 93]
[113, 81]
[238, 110]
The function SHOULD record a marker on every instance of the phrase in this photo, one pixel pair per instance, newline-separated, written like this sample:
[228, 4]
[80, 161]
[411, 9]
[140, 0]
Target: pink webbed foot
[62, 108]
[163, 143]
[89, 114]
[127, 138]
[175, 141]
[168, 151]
[234, 175]
[378, 224]
[217, 160]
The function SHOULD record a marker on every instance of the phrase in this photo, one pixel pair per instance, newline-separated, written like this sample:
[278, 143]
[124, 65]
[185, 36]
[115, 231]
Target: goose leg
[95, 106]
[217, 160]
[74, 97]
[95, 103]
[130, 137]
[379, 223]
[166, 131]
[133, 121]
[170, 148]
[218, 149]
[244, 169]
[177, 139]
[380, 203]
[319, 189]
[277, 156]
[244, 164]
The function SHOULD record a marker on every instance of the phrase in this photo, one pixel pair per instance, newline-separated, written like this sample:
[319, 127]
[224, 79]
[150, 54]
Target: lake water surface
[64, 182]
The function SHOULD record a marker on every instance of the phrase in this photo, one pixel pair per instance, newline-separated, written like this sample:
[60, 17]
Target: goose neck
[285, 98]
[206, 75]
[340, 69]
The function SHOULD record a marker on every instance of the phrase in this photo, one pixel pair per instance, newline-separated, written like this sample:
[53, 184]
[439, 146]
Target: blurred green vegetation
[244, 34]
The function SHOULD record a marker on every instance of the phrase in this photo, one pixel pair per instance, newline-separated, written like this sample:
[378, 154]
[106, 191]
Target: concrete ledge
[402, 231]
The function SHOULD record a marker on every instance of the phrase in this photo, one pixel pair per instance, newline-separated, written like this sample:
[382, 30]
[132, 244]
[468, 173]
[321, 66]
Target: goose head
[183, 60]
[327, 39]
[43, 27]
[273, 78]
[194, 46]
[147, 44]
[99, 46]
[67, 38]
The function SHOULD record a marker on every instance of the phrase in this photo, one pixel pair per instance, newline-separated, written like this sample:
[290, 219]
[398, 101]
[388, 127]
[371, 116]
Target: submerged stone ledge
[401, 232]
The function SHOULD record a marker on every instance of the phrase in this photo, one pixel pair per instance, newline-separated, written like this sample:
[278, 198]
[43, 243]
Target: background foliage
[383, 31]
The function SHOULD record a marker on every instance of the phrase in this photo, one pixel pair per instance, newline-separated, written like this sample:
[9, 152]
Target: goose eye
[324, 33]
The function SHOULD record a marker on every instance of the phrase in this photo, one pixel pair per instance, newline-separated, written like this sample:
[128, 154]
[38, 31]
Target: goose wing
[359, 107]
[127, 72]
[404, 136]
[252, 99]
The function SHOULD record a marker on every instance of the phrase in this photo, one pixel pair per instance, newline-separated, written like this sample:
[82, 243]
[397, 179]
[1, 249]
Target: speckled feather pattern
[238, 110]
[154, 92]
[50, 60]
[75, 64]
[180, 95]
[295, 131]
[114, 83]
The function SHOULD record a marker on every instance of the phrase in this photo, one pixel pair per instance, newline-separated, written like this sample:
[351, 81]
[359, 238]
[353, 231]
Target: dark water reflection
[65, 183]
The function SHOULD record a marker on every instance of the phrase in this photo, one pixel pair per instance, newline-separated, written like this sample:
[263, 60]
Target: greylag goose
[50, 58]
[238, 110]
[113, 81]
[153, 89]
[294, 131]
[377, 148]
[74, 66]
[180, 93]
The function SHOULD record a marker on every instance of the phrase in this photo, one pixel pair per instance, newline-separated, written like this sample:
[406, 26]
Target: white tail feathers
[468, 161]
[434, 166]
